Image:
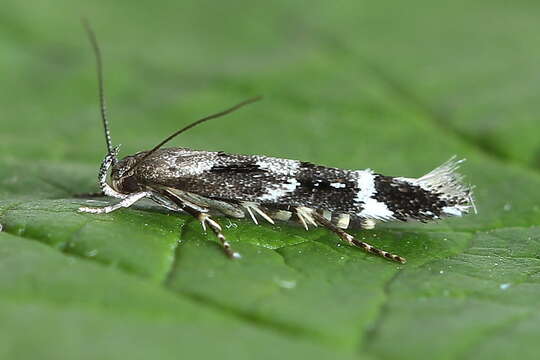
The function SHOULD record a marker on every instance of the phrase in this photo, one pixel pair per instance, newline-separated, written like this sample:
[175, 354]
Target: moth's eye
[127, 185]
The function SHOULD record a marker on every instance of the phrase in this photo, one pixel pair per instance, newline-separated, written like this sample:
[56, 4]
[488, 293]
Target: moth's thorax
[123, 179]
[127, 179]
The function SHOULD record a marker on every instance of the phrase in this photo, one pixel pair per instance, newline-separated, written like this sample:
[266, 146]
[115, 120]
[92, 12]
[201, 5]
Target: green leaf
[396, 87]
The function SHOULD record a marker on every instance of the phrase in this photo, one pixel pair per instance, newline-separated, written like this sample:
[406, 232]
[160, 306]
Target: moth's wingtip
[471, 201]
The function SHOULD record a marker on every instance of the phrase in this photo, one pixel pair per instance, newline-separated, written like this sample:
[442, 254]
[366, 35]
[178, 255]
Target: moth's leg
[355, 242]
[305, 215]
[251, 206]
[201, 215]
[126, 202]
[205, 220]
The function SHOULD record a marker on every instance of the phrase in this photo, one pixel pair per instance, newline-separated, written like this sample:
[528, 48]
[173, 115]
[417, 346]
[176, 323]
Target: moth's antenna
[195, 123]
[102, 105]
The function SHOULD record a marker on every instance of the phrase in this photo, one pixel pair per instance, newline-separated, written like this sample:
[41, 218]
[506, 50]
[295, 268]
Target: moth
[204, 183]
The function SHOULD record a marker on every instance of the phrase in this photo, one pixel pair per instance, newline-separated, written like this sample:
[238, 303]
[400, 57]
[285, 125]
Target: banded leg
[355, 242]
[205, 219]
[126, 202]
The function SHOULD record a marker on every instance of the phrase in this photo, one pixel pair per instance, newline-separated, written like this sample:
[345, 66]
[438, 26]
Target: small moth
[203, 183]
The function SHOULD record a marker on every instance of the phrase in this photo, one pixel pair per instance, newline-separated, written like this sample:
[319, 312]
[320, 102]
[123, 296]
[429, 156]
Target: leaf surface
[398, 88]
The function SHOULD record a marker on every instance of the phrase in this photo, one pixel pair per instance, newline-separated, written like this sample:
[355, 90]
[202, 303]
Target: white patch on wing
[278, 166]
[374, 209]
[338, 185]
[277, 191]
[371, 208]
[365, 184]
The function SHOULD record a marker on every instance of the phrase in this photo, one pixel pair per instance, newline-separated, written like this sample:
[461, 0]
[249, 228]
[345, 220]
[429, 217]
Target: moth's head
[123, 177]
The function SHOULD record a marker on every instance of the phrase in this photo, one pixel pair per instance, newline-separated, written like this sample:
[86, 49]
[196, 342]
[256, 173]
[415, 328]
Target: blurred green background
[395, 86]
